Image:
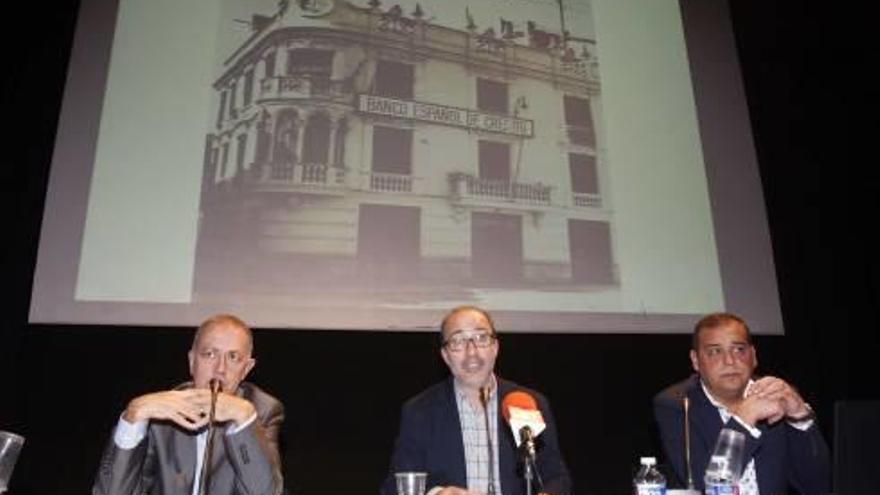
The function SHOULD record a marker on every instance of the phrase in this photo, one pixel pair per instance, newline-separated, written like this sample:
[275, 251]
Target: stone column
[331, 141]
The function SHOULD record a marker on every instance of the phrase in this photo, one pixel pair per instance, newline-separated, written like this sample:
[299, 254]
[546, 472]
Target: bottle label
[650, 489]
[722, 489]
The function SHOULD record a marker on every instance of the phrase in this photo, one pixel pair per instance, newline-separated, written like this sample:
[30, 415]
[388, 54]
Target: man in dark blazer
[784, 447]
[160, 440]
[454, 430]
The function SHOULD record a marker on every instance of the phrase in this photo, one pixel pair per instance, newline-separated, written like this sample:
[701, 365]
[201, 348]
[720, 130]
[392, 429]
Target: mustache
[473, 361]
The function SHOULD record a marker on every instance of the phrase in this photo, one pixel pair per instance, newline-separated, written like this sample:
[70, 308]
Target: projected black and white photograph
[404, 153]
[362, 164]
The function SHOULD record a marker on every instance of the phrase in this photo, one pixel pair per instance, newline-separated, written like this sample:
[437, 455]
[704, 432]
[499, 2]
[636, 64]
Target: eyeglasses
[738, 352]
[459, 341]
[232, 357]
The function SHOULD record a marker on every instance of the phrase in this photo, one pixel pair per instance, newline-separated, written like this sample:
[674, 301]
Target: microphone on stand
[216, 388]
[528, 441]
[690, 490]
[204, 478]
[521, 412]
[484, 400]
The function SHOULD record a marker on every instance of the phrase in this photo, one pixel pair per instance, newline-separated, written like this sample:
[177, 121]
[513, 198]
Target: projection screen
[570, 165]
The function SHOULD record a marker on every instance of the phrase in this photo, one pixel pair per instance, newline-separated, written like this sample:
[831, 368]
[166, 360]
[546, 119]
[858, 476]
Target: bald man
[160, 439]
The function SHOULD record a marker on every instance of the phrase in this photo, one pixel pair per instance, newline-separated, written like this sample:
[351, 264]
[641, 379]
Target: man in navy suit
[454, 430]
[784, 447]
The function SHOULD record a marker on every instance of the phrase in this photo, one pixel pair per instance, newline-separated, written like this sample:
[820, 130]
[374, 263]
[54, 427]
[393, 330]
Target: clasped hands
[771, 399]
[188, 408]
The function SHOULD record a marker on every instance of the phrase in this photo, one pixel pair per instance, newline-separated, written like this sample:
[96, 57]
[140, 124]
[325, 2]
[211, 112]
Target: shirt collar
[493, 388]
[715, 402]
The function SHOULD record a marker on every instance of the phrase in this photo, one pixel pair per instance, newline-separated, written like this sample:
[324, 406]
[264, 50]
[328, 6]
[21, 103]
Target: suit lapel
[704, 417]
[182, 452]
[217, 457]
[452, 422]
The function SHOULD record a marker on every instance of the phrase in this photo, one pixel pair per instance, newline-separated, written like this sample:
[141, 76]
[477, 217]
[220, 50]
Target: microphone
[521, 412]
[484, 400]
[204, 479]
[216, 388]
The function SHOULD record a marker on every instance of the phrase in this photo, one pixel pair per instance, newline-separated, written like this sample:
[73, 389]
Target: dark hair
[224, 318]
[460, 309]
[715, 320]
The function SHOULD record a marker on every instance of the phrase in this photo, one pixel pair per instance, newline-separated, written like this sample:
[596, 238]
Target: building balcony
[470, 190]
[391, 183]
[586, 200]
[303, 88]
[311, 178]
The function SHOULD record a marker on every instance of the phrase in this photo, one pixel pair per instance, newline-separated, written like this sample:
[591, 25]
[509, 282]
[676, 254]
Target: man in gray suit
[159, 442]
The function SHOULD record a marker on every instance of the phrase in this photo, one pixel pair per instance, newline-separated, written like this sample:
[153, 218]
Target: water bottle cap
[648, 461]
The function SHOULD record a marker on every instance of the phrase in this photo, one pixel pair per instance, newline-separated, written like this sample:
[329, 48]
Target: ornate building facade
[364, 145]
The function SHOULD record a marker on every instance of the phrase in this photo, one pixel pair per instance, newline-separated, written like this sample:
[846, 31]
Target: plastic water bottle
[720, 479]
[648, 480]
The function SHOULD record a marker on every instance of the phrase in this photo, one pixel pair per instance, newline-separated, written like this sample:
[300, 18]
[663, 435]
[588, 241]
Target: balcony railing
[302, 87]
[299, 176]
[385, 182]
[587, 200]
[474, 189]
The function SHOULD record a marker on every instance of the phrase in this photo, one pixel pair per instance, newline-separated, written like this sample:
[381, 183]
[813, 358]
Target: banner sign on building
[445, 115]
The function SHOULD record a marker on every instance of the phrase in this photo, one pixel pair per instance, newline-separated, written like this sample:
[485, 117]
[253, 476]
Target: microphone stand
[527, 446]
[204, 478]
[484, 400]
[685, 402]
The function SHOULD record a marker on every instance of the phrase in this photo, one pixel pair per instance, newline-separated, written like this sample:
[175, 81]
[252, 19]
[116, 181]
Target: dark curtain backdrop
[806, 70]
